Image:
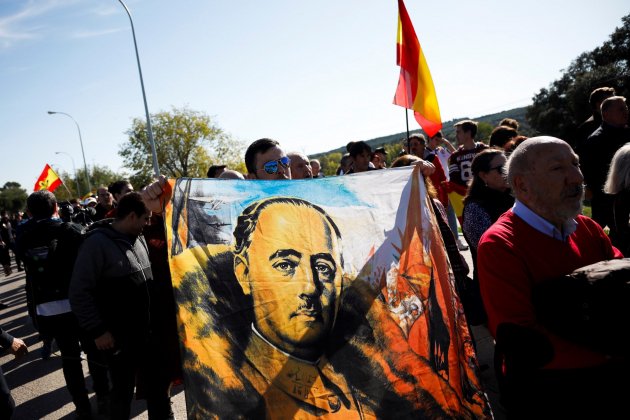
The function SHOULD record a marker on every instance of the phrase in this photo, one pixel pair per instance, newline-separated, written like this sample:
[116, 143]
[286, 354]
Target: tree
[187, 143]
[12, 197]
[484, 130]
[329, 163]
[560, 108]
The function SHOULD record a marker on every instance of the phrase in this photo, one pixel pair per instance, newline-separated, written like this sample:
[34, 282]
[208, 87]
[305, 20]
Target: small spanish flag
[415, 86]
[48, 180]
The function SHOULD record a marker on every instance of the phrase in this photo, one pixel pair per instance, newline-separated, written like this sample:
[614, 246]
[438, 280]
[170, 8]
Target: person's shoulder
[73, 228]
[473, 207]
[457, 152]
[503, 230]
[594, 135]
[97, 231]
[585, 222]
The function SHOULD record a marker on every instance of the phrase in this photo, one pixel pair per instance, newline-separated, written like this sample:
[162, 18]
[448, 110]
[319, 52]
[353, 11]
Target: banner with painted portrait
[330, 297]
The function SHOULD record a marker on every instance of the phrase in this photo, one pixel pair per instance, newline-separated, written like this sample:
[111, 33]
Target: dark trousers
[589, 393]
[124, 366]
[601, 209]
[7, 404]
[70, 340]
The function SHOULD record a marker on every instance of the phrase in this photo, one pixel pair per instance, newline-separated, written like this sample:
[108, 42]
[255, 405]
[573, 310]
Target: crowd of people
[98, 281]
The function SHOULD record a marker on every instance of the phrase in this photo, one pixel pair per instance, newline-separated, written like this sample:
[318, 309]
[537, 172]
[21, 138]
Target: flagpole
[63, 183]
[156, 167]
[407, 121]
[66, 187]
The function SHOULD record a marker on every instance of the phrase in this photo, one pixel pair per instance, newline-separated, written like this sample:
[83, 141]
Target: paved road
[38, 386]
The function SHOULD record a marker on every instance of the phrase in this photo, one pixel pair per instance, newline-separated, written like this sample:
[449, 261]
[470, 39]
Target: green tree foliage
[329, 163]
[12, 197]
[99, 175]
[187, 143]
[558, 109]
[484, 130]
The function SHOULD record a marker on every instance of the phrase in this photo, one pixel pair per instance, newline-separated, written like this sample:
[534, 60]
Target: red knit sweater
[513, 257]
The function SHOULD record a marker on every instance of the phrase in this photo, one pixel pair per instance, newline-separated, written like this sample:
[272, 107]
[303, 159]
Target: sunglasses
[271, 167]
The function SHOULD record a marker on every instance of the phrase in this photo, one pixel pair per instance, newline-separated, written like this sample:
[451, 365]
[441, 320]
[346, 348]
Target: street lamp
[75, 170]
[87, 177]
[156, 168]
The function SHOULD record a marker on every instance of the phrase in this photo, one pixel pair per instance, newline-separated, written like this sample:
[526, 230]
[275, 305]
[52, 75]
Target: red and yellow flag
[415, 85]
[48, 180]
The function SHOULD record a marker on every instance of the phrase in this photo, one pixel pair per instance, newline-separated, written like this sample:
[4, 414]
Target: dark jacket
[49, 249]
[597, 153]
[109, 290]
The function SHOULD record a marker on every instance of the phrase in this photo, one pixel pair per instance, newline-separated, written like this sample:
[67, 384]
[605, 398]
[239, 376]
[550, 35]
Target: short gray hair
[520, 161]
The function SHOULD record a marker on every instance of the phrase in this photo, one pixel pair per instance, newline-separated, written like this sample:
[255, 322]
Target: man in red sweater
[544, 236]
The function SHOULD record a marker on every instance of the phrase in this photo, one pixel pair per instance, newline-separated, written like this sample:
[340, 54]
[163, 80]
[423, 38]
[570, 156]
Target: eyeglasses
[499, 169]
[271, 167]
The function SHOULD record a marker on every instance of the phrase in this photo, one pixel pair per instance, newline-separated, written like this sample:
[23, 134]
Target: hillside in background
[393, 141]
[448, 130]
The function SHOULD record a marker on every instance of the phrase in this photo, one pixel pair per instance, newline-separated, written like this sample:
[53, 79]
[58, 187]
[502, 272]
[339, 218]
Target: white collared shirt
[542, 225]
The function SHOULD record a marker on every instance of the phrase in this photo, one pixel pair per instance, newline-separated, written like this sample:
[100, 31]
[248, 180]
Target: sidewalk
[38, 386]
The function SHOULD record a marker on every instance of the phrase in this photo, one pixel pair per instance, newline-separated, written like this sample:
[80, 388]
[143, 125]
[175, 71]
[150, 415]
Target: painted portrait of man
[272, 326]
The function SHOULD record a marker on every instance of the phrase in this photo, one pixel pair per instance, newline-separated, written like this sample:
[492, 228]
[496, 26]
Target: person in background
[345, 164]
[488, 198]
[120, 188]
[379, 158]
[231, 174]
[416, 144]
[360, 152]
[300, 166]
[502, 137]
[591, 124]
[49, 249]
[18, 348]
[510, 122]
[265, 160]
[104, 203]
[597, 153]
[618, 186]
[215, 171]
[317, 168]
[6, 241]
[442, 148]
[459, 167]
[15, 220]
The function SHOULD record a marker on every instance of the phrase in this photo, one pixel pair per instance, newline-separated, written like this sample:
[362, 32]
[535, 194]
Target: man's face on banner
[294, 275]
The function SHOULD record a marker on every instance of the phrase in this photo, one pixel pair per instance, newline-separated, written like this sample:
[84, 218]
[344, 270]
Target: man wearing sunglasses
[267, 161]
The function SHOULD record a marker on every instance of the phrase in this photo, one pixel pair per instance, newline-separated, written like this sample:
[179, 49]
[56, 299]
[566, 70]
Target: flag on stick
[48, 180]
[415, 86]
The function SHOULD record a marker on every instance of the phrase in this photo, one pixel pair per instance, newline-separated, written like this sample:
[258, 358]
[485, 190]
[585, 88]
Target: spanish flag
[48, 180]
[415, 85]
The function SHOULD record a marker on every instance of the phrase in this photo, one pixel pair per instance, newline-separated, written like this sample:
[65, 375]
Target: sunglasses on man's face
[271, 167]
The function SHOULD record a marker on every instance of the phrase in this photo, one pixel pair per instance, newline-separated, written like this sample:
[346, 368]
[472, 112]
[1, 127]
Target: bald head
[524, 157]
[231, 174]
[300, 166]
[544, 174]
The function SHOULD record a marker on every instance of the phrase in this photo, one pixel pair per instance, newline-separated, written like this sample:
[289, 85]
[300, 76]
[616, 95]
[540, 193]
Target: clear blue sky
[313, 75]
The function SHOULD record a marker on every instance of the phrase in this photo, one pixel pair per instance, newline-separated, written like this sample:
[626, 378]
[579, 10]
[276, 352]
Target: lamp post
[87, 176]
[76, 179]
[156, 168]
